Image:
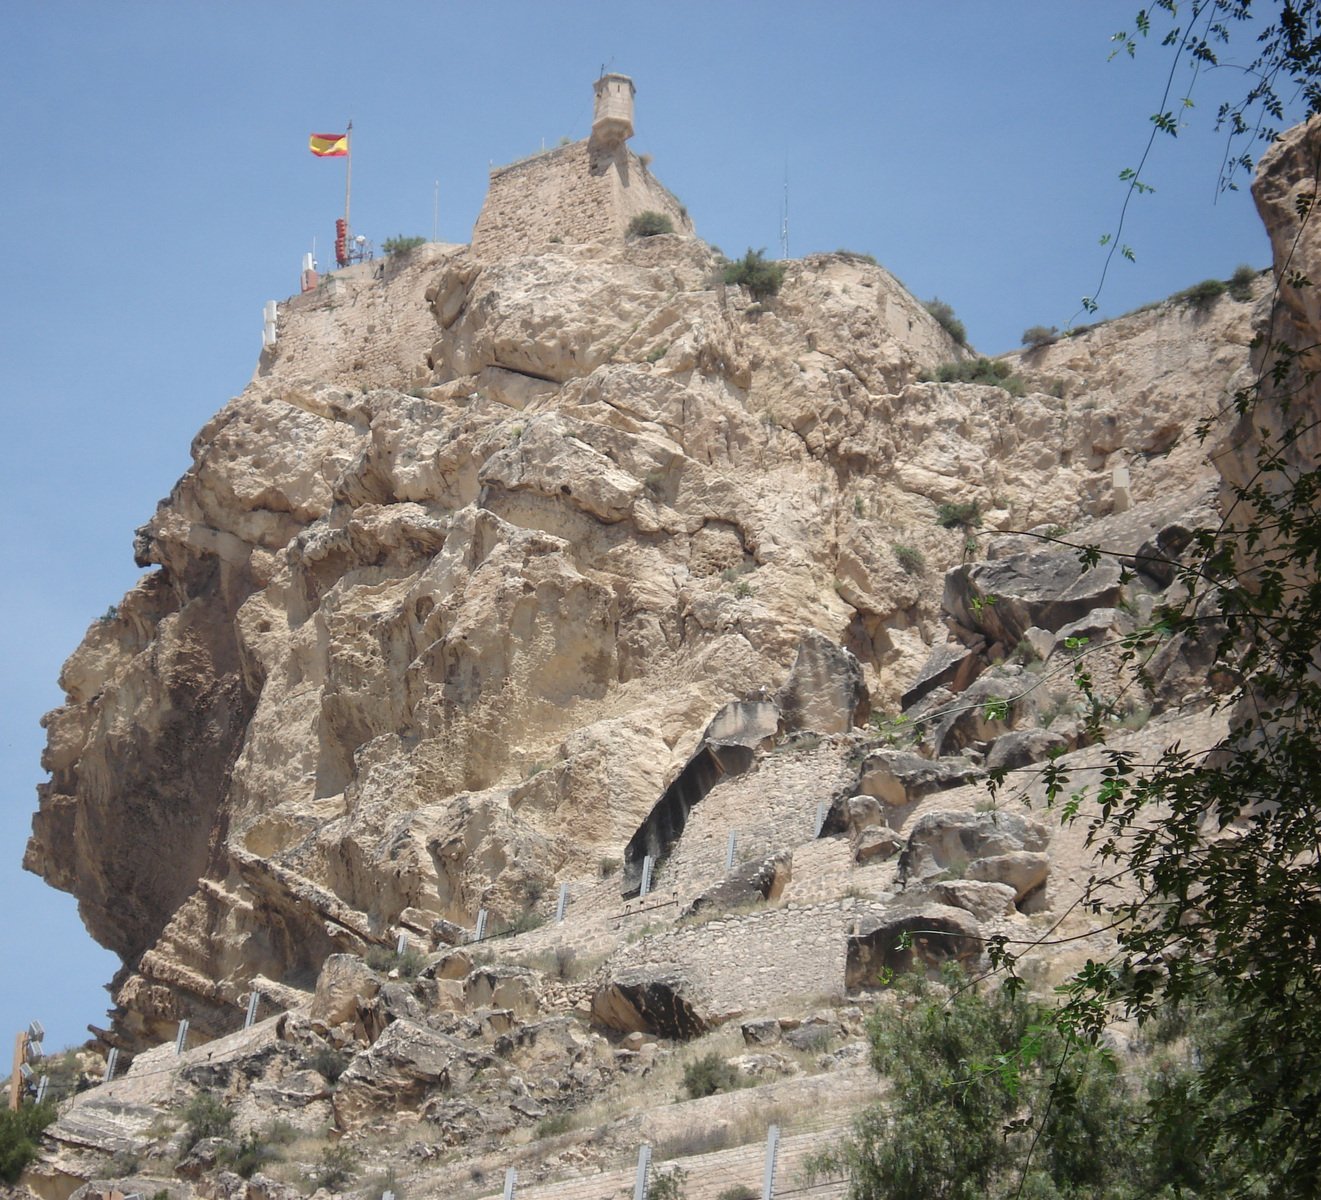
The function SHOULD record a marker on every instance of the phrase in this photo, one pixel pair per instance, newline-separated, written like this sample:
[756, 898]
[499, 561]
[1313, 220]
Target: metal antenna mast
[784, 218]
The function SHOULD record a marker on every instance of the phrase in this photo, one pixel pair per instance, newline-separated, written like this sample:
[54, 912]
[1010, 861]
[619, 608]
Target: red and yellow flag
[329, 145]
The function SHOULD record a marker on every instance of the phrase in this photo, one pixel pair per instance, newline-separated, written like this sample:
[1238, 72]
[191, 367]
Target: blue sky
[157, 189]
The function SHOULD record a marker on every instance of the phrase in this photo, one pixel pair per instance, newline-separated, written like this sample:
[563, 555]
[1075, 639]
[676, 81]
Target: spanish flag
[329, 145]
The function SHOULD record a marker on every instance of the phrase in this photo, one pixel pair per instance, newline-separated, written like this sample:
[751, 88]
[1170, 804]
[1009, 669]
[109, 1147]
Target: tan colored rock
[449, 595]
[345, 986]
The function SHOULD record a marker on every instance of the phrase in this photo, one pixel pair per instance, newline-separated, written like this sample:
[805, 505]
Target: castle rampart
[585, 191]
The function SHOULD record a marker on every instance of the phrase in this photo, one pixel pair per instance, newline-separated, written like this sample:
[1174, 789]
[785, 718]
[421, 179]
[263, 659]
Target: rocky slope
[502, 576]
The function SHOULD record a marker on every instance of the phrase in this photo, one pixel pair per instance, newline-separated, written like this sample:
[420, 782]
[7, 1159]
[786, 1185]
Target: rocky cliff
[505, 575]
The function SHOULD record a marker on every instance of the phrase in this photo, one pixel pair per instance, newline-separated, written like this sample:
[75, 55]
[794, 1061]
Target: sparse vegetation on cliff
[986, 371]
[401, 245]
[944, 314]
[649, 224]
[761, 278]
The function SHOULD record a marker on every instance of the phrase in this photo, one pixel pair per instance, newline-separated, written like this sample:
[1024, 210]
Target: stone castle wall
[575, 193]
[366, 326]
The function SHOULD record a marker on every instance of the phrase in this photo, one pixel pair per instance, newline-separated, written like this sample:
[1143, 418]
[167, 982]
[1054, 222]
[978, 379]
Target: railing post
[772, 1148]
[644, 1161]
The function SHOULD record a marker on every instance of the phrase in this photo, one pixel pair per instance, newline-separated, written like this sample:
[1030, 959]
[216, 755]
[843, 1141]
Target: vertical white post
[480, 931]
[648, 864]
[181, 1039]
[401, 944]
[564, 900]
[250, 1018]
[1119, 481]
[111, 1062]
[822, 811]
[511, 1178]
[729, 850]
[772, 1147]
[42, 1084]
[644, 1161]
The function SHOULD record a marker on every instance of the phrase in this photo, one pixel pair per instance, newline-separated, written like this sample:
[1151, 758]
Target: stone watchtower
[586, 191]
[612, 116]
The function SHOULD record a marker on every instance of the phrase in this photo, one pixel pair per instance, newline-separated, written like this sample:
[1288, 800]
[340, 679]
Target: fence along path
[708, 1175]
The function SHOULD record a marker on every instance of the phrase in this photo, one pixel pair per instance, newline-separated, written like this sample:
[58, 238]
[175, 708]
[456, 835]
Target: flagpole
[348, 180]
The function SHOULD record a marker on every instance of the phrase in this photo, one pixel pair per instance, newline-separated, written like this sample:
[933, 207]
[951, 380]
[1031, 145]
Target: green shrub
[1035, 336]
[1202, 295]
[401, 245]
[762, 279]
[668, 1184]
[986, 371]
[1241, 281]
[330, 1063]
[527, 920]
[967, 513]
[554, 1124]
[740, 1191]
[710, 1074]
[18, 1137]
[944, 314]
[205, 1116]
[858, 256]
[337, 1167]
[387, 959]
[250, 1154]
[909, 558]
[649, 224]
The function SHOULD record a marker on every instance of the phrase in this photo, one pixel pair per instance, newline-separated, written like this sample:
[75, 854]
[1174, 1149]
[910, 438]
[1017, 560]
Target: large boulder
[825, 692]
[971, 845]
[344, 989]
[648, 1000]
[407, 1064]
[924, 938]
[898, 777]
[1005, 598]
[748, 883]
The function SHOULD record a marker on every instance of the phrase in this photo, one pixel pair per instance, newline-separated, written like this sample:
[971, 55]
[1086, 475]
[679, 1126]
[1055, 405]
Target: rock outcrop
[513, 569]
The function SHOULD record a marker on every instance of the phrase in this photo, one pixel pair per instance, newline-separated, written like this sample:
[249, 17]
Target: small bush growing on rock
[1241, 281]
[668, 1184]
[205, 1116]
[967, 513]
[1202, 295]
[909, 558]
[330, 1063]
[649, 224]
[250, 1154]
[740, 1191]
[761, 278]
[944, 314]
[985, 371]
[386, 959]
[554, 1125]
[401, 245]
[710, 1074]
[337, 1167]
[858, 256]
[1035, 336]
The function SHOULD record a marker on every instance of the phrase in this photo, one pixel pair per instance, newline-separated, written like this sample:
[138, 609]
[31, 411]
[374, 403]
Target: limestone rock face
[450, 596]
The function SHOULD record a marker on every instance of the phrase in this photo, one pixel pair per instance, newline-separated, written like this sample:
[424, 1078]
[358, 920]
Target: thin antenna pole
[348, 182]
[784, 222]
[16, 1077]
[435, 214]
